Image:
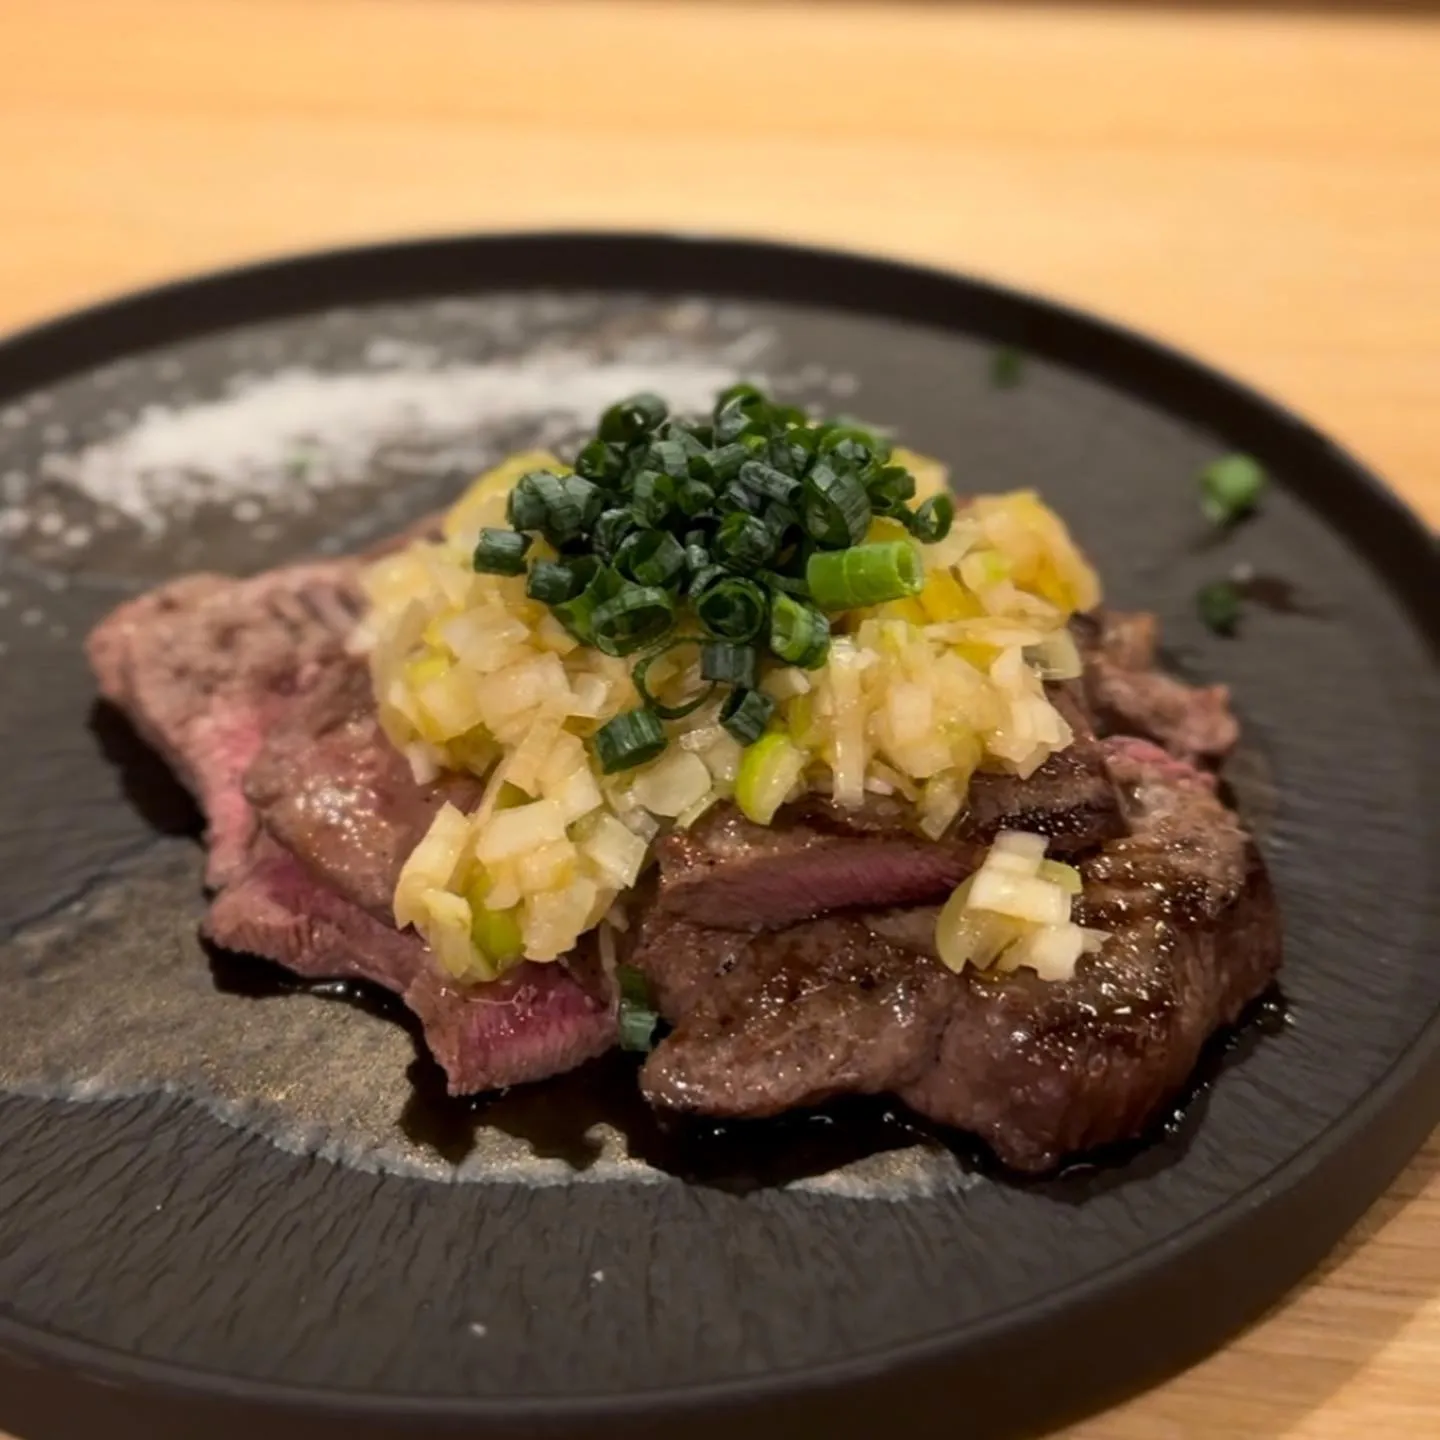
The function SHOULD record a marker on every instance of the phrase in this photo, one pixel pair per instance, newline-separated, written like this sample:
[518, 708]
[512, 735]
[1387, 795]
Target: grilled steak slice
[245, 685]
[276, 908]
[729, 873]
[206, 665]
[732, 874]
[533, 1022]
[331, 789]
[1128, 694]
[1040, 1070]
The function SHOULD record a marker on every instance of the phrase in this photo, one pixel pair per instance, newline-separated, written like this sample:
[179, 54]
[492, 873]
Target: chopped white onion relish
[1015, 910]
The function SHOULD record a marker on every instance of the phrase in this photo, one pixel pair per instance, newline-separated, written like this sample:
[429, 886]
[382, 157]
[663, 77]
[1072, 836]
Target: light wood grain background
[1263, 189]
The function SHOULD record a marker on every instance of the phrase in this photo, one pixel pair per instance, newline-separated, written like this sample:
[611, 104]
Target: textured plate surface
[224, 1193]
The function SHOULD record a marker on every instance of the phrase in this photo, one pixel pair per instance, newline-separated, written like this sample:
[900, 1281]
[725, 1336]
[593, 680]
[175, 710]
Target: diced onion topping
[1015, 910]
[614, 650]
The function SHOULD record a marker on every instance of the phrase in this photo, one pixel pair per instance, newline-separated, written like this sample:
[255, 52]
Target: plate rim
[1347, 1167]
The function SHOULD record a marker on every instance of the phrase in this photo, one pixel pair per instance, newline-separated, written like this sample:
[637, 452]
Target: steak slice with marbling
[1040, 1070]
[817, 856]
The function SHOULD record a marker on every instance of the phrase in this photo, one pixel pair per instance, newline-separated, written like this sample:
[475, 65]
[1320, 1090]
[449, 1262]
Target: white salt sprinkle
[246, 444]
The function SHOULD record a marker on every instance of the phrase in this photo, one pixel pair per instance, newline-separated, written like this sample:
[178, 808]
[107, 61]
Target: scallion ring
[864, 575]
[651, 557]
[562, 508]
[552, 582]
[837, 509]
[799, 634]
[640, 676]
[745, 714]
[930, 521]
[727, 663]
[768, 481]
[732, 609]
[628, 740]
[628, 420]
[610, 531]
[652, 497]
[637, 616]
[744, 542]
[501, 552]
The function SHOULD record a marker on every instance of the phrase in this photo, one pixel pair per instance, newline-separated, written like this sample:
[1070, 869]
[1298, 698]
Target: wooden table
[1264, 190]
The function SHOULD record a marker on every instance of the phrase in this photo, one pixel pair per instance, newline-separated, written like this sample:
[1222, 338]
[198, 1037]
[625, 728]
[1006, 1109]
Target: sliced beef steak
[732, 874]
[729, 873]
[331, 789]
[533, 1022]
[245, 687]
[1128, 694]
[206, 665]
[1040, 1070]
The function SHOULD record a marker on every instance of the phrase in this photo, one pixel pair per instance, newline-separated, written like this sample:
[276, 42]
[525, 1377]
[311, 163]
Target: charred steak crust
[1040, 1070]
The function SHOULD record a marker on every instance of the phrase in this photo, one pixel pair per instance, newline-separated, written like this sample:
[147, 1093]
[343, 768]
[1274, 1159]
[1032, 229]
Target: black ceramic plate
[218, 1197]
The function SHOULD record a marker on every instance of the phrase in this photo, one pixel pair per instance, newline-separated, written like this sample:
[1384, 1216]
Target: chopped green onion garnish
[610, 530]
[766, 480]
[837, 509]
[756, 523]
[729, 664]
[744, 542]
[703, 578]
[780, 520]
[746, 713]
[932, 519]
[552, 582]
[501, 552]
[632, 418]
[1230, 488]
[669, 457]
[637, 1026]
[740, 393]
[634, 987]
[1219, 605]
[638, 1020]
[790, 584]
[741, 497]
[890, 488]
[652, 557]
[835, 433]
[1007, 368]
[628, 740]
[694, 497]
[562, 508]
[720, 466]
[864, 575]
[640, 675]
[637, 616]
[601, 462]
[732, 609]
[799, 633]
[652, 497]
[599, 583]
